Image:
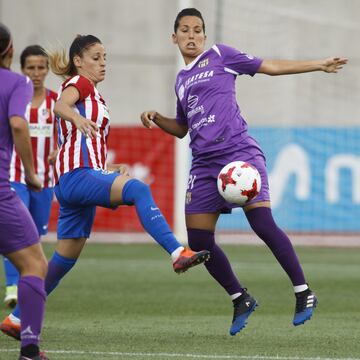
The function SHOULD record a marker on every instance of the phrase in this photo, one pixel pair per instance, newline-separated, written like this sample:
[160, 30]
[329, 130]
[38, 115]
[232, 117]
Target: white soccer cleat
[11, 296]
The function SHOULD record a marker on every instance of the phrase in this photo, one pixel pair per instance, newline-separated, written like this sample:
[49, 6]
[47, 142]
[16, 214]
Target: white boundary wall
[222, 238]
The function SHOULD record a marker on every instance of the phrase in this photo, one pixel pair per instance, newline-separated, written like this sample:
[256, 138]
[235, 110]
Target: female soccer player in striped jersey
[208, 110]
[83, 180]
[40, 115]
[19, 239]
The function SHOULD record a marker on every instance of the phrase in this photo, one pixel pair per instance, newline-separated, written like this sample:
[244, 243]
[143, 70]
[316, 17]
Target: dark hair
[5, 41]
[63, 66]
[35, 50]
[80, 43]
[188, 12]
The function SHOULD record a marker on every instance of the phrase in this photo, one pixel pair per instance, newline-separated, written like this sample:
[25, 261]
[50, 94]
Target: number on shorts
[191, 182]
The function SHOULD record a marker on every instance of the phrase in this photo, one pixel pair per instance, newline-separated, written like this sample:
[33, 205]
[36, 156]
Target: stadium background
[306, 124]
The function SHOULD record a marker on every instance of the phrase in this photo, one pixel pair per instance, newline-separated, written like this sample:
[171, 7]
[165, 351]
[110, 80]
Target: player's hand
[33, 182]
[52, 157]
[332, 65]
[122, 169]
[87, 127]
[147, 117]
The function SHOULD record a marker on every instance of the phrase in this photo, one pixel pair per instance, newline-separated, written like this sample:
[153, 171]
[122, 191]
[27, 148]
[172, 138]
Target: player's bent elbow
[181, 135]
[181, 132]
[57, 108]
[18, 124]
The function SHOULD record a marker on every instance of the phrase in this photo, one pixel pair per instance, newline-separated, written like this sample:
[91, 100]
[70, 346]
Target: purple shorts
[202, 195]
[18, 230]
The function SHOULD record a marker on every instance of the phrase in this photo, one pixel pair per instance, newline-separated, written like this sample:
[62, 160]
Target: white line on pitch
[195, 356]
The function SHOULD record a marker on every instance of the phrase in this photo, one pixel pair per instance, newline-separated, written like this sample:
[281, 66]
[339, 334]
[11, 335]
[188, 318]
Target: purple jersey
[18, 230]
[206, 99]
[15, 94]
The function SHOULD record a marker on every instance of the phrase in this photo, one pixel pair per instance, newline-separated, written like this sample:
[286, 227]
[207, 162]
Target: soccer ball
[239, 182]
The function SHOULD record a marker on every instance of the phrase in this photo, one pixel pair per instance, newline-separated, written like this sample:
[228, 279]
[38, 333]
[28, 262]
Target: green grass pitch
[125, 302]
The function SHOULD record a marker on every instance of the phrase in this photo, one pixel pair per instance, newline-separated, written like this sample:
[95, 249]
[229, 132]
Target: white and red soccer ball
[239, 182]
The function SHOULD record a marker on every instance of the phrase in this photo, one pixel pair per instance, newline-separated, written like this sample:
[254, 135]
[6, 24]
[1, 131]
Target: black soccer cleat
[306, 302]
[41, 356]
[244, 305]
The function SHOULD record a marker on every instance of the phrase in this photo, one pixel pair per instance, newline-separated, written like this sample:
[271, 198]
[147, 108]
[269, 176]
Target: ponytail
[63, 65]
[60, 63]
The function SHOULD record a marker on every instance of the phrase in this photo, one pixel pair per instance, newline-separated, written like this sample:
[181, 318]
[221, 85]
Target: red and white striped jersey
[43, 140]
[75, 150]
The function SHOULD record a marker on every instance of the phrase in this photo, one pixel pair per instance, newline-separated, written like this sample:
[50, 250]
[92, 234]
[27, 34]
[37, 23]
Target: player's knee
[39, 267]
[35, 266]
[133, 190]
[261, 221]
[199, 239]
[260, 229]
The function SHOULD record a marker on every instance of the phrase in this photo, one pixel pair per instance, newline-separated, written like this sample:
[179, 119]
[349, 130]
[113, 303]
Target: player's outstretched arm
[169, 125]
[287, 67]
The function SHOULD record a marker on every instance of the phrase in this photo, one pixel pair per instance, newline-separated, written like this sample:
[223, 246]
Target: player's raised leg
[126, 190]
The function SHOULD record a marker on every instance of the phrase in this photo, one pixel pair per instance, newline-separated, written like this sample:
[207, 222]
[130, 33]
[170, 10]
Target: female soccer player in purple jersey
[83, 179]
[34, 64]
[207, 109]
[19, 239]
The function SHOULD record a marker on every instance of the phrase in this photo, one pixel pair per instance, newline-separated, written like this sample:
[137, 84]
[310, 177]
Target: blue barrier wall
[314, 178]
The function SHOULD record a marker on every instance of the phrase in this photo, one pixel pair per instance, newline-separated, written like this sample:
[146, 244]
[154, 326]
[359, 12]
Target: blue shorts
[38, 203]
[79, 192]
[202, 195]
[17, 228]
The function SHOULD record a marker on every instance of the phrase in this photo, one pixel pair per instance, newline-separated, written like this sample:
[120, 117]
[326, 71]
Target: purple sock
[262, 222]
[32, 299]
[218, 265]
[58, 267]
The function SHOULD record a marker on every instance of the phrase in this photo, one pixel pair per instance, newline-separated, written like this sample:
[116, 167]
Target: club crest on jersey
[188, 198]
[203, 63]
[192, 101]
[45, 112]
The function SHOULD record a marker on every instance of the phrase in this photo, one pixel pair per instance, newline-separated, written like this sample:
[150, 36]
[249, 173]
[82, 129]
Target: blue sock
[11, 273]
[58, 267]
[137, 193]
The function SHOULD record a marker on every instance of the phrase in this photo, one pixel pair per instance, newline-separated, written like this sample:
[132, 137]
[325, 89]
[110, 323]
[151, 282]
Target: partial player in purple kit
[19, 239]
[40, 114]
[207, 109]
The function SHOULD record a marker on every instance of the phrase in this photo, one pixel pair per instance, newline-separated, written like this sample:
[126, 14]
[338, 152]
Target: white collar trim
[192, 64]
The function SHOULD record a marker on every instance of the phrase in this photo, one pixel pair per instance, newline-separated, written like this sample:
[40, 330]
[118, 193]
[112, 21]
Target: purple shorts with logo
[202, 195]
[18, 230]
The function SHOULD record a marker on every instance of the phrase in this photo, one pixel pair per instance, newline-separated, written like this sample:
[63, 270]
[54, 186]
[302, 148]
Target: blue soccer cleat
[244, 305]
[306, 302]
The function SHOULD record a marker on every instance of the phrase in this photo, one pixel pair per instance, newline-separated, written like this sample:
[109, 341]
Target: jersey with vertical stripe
[76, 150]
[42, 132]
